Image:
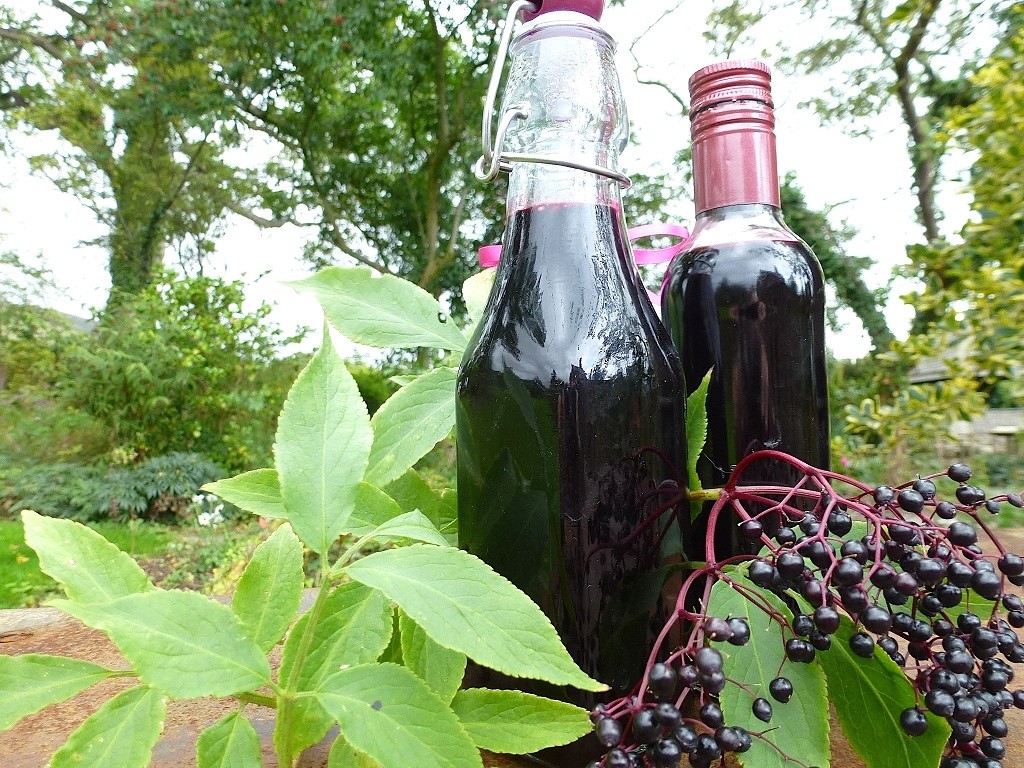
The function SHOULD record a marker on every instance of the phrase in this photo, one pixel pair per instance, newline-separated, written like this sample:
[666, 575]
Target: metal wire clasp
[493, 161]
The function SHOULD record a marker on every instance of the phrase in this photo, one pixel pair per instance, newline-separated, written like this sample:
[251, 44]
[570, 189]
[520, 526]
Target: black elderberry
[609, 731]
[949, 595]
[713, 682]
[945, 510]
[1013, 603]
[904, 533]
[906, 584]
[820, 641]
[995, 726]
[888, 645]
[1018, 699]
[751, 530]
[959, 472]
[913, 721]
[876, 619]
[992, 507]
[929, 605]
[943, 627]
[717, 629]
[818, 553]
[884, 577]
[686, 735]
[661, 681]
[761, 572]
[732, 739]
[813, 591]
[854, 599]
[646, 728]
[762, 710]
[930, 571]
[925, 487]
[785, 536]
[840, 524]
[959, 661]
[1016, 619]
[954, 643]
[706, 749]
[1015, 500]
[883, 495]
[962, 534]
[799, 650]
[781, 689]
[862, 644]
[848, 572]
[965, 709]
[789, 564]
[617, 758]
[963, 732]
[803, 624]
[855, 550]
[940, 702]
[688, 676]
[986, 584]
[667, 753]
[667, 715]
[711, 715]
[919, 651]
[969, 495]
[809, 524]
[740, 632]
[894, 597]
[910, 501]
[983, 638]
[993, 747]
[1011, 564]
[826, 619]
[707, 660]
[919, 631]
[944, 680]
[959, 574]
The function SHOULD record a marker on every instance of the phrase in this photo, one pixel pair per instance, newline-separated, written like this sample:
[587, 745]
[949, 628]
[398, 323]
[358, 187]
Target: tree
[126, 89]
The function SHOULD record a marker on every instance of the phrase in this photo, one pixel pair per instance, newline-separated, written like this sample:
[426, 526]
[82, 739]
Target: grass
[23, 584]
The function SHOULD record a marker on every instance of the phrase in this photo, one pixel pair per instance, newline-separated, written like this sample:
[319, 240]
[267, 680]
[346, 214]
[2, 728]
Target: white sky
[868, 177]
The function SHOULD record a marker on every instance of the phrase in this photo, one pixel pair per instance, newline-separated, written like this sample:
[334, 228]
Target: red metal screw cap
[591, 8]
[730, 81]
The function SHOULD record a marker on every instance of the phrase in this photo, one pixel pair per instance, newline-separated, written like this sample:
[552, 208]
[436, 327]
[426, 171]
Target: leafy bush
[374, 385]
[1004, 470]
[159, 488]
[182, 367]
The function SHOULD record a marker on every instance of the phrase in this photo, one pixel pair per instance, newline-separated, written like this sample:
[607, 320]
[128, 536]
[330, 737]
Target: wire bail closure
[492, 162]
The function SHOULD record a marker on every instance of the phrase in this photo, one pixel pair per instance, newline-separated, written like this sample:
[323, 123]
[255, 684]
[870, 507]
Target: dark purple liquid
[565, 387]
[754, 313]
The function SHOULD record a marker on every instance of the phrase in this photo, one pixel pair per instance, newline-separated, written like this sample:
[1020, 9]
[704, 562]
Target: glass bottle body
[746, 302]
[568, 405]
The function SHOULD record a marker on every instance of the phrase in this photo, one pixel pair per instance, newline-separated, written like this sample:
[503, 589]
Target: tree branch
[262, 221]
[33, 40]
[72, 12]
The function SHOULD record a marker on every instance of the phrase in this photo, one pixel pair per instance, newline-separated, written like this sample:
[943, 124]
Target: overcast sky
[867, 179]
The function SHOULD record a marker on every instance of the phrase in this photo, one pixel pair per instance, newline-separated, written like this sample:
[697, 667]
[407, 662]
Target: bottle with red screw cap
[746, 300]
[568, 395]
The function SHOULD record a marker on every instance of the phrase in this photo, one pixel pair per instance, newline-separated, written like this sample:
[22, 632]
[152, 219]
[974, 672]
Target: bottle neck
[740, 223]
[532, 185]
[734, 157]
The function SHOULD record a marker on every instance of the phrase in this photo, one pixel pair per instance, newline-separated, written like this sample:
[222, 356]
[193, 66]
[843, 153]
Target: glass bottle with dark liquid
[746, 300]
[569, 396]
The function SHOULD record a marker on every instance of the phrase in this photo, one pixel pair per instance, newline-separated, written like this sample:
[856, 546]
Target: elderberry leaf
[389, 714]
[179, 642]
[465, 606]
[344, 755]
[381, 311]
[869, 695]
[516, 723]
[33, 681]
[754, 666]
[373, 508]
[411, 492]
[90, 568]
[231, 742]
[122, 733]
[696, 428]
[354, 627]
[414, 526]
[257, 492]
[410, 423]
[441, 669]
[270, 589]
[475, 291]
[322, 449]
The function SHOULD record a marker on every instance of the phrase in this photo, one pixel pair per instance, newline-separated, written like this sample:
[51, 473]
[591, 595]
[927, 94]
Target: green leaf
[258, 492]
[180, 642]
[29, 683]
[90, 568]
[696, 429]
[410, 423]
[322, 449]
[389, 714]
[373, 508]
[754, 666]
[465, 606]
[412, 492]
[270, 589]
[869, 695]
[381, 311]
[354, 628]
[409, 525]
[122, 733]
[402, 379]
[475, 291]
[516, 723]
[343, 755]
[231, 742]
[441, 669]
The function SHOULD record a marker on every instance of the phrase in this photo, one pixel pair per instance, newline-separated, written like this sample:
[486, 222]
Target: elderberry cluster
[904, 566]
